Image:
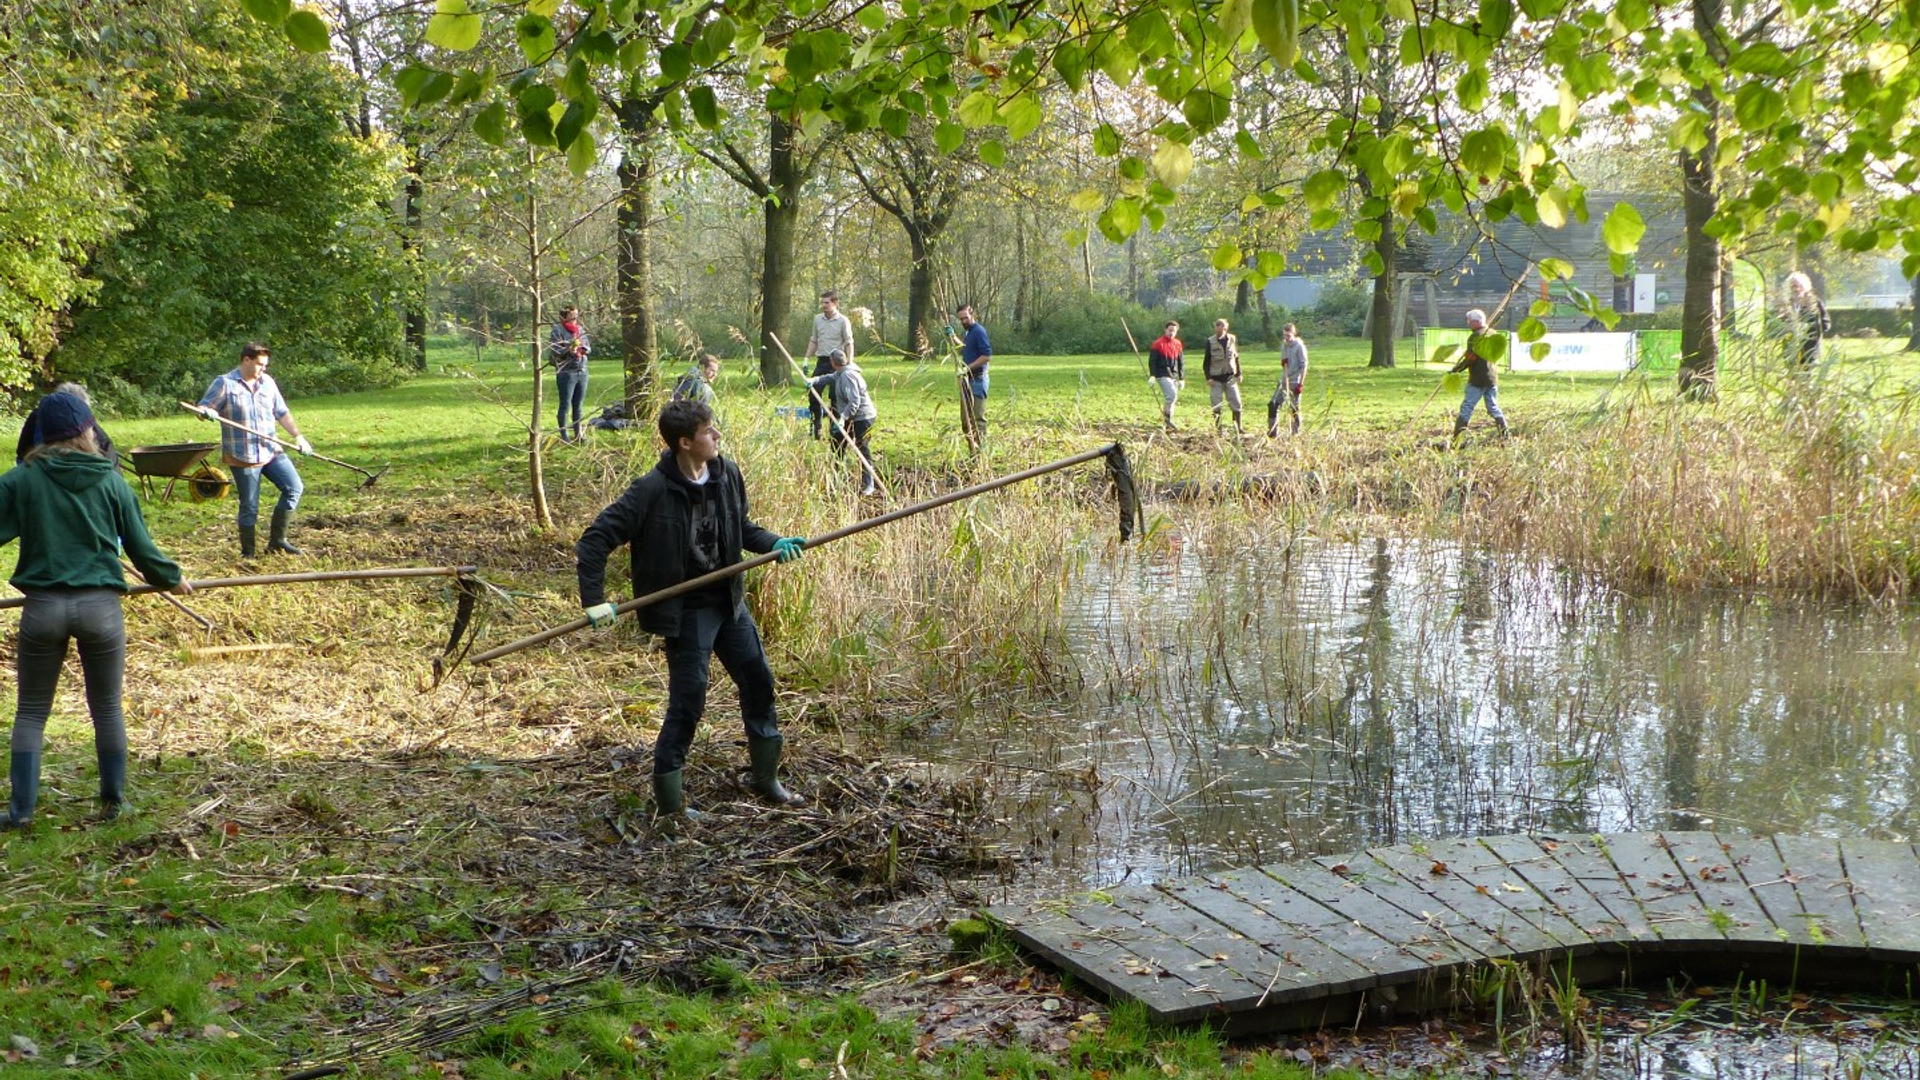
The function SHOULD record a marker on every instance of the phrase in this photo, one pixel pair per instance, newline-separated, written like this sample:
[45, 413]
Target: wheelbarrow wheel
[207, 484]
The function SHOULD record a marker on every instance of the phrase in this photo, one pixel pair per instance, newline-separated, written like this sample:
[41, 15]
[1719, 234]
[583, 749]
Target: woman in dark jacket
[71, 512]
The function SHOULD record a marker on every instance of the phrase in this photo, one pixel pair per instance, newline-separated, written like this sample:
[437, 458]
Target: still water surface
[1257, 706]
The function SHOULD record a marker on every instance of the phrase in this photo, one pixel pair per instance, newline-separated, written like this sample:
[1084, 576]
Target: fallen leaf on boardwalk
[1438, 869]
[1339, 868]
[1482, 890]
[1510, 887]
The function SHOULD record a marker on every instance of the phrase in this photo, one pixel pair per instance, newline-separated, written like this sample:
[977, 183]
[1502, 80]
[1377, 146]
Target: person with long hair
[72, 512]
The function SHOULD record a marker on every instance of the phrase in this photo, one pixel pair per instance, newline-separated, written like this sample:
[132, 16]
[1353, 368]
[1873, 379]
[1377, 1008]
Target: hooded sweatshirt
[70, 512]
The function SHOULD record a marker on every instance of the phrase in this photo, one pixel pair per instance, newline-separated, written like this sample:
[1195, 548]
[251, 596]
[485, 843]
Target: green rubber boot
[277, 533]
[765, 756]
[670, 798]
[113, 783]
[26, 790]
[247, 535]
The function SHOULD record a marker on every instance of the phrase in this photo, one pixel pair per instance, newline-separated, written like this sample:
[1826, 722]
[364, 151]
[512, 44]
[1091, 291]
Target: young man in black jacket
[684, 519]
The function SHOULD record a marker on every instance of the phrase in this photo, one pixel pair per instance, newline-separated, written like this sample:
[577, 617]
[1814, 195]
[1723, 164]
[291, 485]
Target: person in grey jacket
[1293, 380]
[853, 412]
[686, 518]
[568, 347]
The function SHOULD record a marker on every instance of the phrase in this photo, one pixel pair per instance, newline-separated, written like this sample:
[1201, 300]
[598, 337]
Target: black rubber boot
[247, 535]
[277, 536]
[1296, 421]
[1237, 429]
[26, 790]
[765, 756]
[1504, 429]
[1459, 426]
[670, 798]
[113, 783]
[1273, 419]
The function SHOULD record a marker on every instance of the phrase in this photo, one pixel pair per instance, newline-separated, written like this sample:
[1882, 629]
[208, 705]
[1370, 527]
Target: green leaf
[1623, 229]
[455, 28]
[992, 153]
[676, 63]
[1397, 154]
[1086, 200]
[705, 106]
[546, 9]
[1120, 220]
[1022, 115]
[872, 17]
[1758, 106]
[437, 87]
[491, 124]
[1486, 152]
[1070, 59]
[1531, 329]
[535, 37]
[896, 122]
[1322, 188]
[1173, 163]
[948, 136]
[1232, 19]
[1205, 109]
[308, 32]
[1271, 263]
[1490, 344]
[1227, 256]
[1496, 18]
[411, 80]
[268, 11]
[1556, 269]
[1552, 206]
[718, 36]
[1471, 90]
[470, 86]
[1106, 141]
[1248, 148]
[581, 154]
[574, 122]
[978, 109]
[578, 82]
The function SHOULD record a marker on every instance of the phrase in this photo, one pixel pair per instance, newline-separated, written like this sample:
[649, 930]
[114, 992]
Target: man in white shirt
[832, 331]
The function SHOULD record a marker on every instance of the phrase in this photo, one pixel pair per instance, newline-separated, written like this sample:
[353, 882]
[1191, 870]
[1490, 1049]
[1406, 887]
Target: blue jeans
[1491, 394]
[279, 472]
[709, 629]
[573, 395]
[50, 618]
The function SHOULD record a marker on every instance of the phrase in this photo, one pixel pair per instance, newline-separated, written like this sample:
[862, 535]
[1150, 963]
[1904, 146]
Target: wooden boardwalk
[1397, 929]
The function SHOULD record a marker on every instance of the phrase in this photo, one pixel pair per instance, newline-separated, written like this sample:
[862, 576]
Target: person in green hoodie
[71, 512]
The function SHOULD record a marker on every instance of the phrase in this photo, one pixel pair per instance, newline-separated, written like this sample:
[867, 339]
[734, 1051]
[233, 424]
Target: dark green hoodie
[70, 511]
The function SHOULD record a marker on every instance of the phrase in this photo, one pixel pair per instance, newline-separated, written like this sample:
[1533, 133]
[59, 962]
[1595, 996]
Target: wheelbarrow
[175, 462]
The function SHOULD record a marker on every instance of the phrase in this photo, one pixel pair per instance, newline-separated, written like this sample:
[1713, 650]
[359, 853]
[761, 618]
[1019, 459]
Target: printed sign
[1578, 352]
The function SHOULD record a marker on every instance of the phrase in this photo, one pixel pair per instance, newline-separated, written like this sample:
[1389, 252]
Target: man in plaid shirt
[249, 397]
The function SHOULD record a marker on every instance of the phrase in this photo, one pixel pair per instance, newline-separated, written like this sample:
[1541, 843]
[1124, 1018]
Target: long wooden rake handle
[371, 574]
[813, 541]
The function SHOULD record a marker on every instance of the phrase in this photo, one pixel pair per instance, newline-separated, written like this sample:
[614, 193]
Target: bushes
[1341, 312]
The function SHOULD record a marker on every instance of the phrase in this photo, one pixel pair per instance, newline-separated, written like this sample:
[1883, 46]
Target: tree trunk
[785, 175]
[413, 228]
[1266, 319]
[1242, 298]
[536, 466]
[1021, 289]
[1133, 268]
[633, 284]
[920, 292]
[1700, 196]
[1386, 288]
[1913, 302]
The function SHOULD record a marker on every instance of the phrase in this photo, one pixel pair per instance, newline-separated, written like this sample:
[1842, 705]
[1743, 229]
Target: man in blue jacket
[684, 519]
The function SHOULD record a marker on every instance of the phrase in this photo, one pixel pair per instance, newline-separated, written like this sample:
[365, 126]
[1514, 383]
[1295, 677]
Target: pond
[1308, 698]
[1304, 698]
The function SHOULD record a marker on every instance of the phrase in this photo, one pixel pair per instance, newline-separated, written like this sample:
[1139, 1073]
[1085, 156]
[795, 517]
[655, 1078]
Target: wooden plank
[1297, 965]
[1648, 871]
[1187, 945]
[1716, 877]
[1436, 871]
[1886, 877]
[1529, 859]
[1096, 953]
[1473, 862]
[1406, 934]
[1326, 925]
[1766, 875]
[1583, 859]
[1825, 893]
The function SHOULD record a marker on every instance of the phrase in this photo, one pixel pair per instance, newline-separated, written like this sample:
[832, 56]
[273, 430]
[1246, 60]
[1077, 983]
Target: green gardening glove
[787, 548]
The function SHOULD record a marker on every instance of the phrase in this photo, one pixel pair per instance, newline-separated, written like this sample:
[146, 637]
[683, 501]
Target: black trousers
[708, 630]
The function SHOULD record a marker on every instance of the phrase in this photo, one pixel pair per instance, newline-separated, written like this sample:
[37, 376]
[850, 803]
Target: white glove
[301, 444]
[601, 614]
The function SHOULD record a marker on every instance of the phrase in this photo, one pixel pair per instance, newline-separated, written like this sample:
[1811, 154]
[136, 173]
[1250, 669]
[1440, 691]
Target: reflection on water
[1258, 705]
